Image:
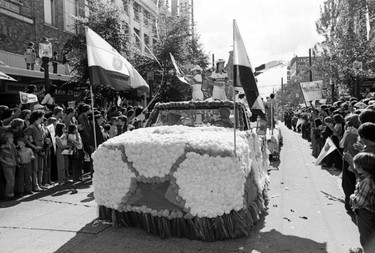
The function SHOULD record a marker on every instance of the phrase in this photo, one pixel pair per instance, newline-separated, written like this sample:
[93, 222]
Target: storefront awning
[32, 73]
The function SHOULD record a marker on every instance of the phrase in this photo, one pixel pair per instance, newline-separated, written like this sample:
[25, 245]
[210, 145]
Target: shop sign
[9, 6]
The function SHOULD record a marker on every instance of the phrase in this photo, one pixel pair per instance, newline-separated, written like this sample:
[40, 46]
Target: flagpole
[93, 116]
[235, 121]
[234, 101]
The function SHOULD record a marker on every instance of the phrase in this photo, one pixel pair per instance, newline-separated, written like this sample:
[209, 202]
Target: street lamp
[45, 52]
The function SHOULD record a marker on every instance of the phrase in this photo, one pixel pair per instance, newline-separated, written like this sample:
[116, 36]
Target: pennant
[109, 67]
[4, 76]
[267, 66]
[300, 121]
[180, 75]
[328, 148]
[242, 72]
[27, 98]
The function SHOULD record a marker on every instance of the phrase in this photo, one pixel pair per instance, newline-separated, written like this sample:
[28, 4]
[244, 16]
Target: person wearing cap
[197, 82]
[218, 79]
[30, 56]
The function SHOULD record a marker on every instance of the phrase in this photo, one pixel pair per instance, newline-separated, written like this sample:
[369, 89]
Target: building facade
[25, 21]
[22, 22]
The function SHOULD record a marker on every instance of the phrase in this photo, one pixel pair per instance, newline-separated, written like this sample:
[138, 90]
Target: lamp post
[45, 52]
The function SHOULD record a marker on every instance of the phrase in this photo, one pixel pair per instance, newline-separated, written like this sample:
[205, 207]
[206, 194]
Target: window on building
[87, 9]
[137, 11]
[137, 38]
[70, 13]
[146, 39]
[125, 28]
[153, 19]
[154, 41]
[126, 6]
[146, 18]
[49, 12]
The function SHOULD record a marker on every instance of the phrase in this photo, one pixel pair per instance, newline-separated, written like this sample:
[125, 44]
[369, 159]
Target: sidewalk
[44, 221]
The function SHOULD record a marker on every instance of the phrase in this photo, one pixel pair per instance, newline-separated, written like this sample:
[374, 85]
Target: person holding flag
[218, 80]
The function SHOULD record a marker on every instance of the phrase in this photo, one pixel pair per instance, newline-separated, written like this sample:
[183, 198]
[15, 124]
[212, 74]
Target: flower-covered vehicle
[182, 175]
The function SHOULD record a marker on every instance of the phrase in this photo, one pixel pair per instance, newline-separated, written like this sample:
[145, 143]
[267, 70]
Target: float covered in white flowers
[180, 181]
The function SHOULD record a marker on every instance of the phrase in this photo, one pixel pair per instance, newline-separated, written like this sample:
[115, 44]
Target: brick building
[24, 21]
[27, 21]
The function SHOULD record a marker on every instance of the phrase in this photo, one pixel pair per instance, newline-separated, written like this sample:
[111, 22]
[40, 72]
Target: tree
[173, 37]
[343, 26]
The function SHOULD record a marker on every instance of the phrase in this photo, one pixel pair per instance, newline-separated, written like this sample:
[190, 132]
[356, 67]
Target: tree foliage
[105, 20]
[174, 36]
[343, 25]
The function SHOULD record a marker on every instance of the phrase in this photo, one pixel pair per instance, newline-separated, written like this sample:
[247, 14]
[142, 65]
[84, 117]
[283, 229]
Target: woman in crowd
[76, 159]
[318, 143]
[347, 144]
[8, 161]
[62, 160]
[25, 115]
[338, 131]
[49, 98]
[35, 136]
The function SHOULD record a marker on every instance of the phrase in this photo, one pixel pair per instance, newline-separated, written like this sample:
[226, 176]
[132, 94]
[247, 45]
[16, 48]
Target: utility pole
[192, 19]
[310, 65]
[282, 86]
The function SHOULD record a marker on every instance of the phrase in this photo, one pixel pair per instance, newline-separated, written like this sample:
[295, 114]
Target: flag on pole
[179, 73]
[328, 148]
[27, 98]
[109, 67]
[242, 72]
[267, 66]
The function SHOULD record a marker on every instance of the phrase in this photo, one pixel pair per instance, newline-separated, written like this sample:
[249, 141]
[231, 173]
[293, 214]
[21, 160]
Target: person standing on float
[218, 79]
[197, 83]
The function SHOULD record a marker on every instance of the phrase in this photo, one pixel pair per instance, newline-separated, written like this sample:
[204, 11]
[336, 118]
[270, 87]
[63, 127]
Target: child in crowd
[23, 173]
[113, 131]
[8, 160]
[363, 198]
[106, 130]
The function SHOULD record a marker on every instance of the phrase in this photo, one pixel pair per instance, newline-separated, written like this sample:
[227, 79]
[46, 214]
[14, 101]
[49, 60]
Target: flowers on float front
[198, 162]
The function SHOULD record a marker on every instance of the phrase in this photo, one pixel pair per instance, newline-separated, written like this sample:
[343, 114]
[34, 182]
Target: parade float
[184, 176]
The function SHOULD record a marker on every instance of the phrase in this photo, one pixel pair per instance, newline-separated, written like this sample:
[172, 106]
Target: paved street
[306, 214]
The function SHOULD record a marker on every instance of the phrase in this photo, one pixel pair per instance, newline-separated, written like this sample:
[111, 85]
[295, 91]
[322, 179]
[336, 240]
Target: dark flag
[243, 74]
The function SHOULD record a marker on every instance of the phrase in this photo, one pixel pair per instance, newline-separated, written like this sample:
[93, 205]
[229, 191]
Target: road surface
[306, 214]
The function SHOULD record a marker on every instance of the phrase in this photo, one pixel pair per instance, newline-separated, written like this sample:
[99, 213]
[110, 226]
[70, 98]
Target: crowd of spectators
[350, 125]
[46, 146]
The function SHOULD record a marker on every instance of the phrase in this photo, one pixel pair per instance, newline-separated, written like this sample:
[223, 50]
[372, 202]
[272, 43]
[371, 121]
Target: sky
[270, 29]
